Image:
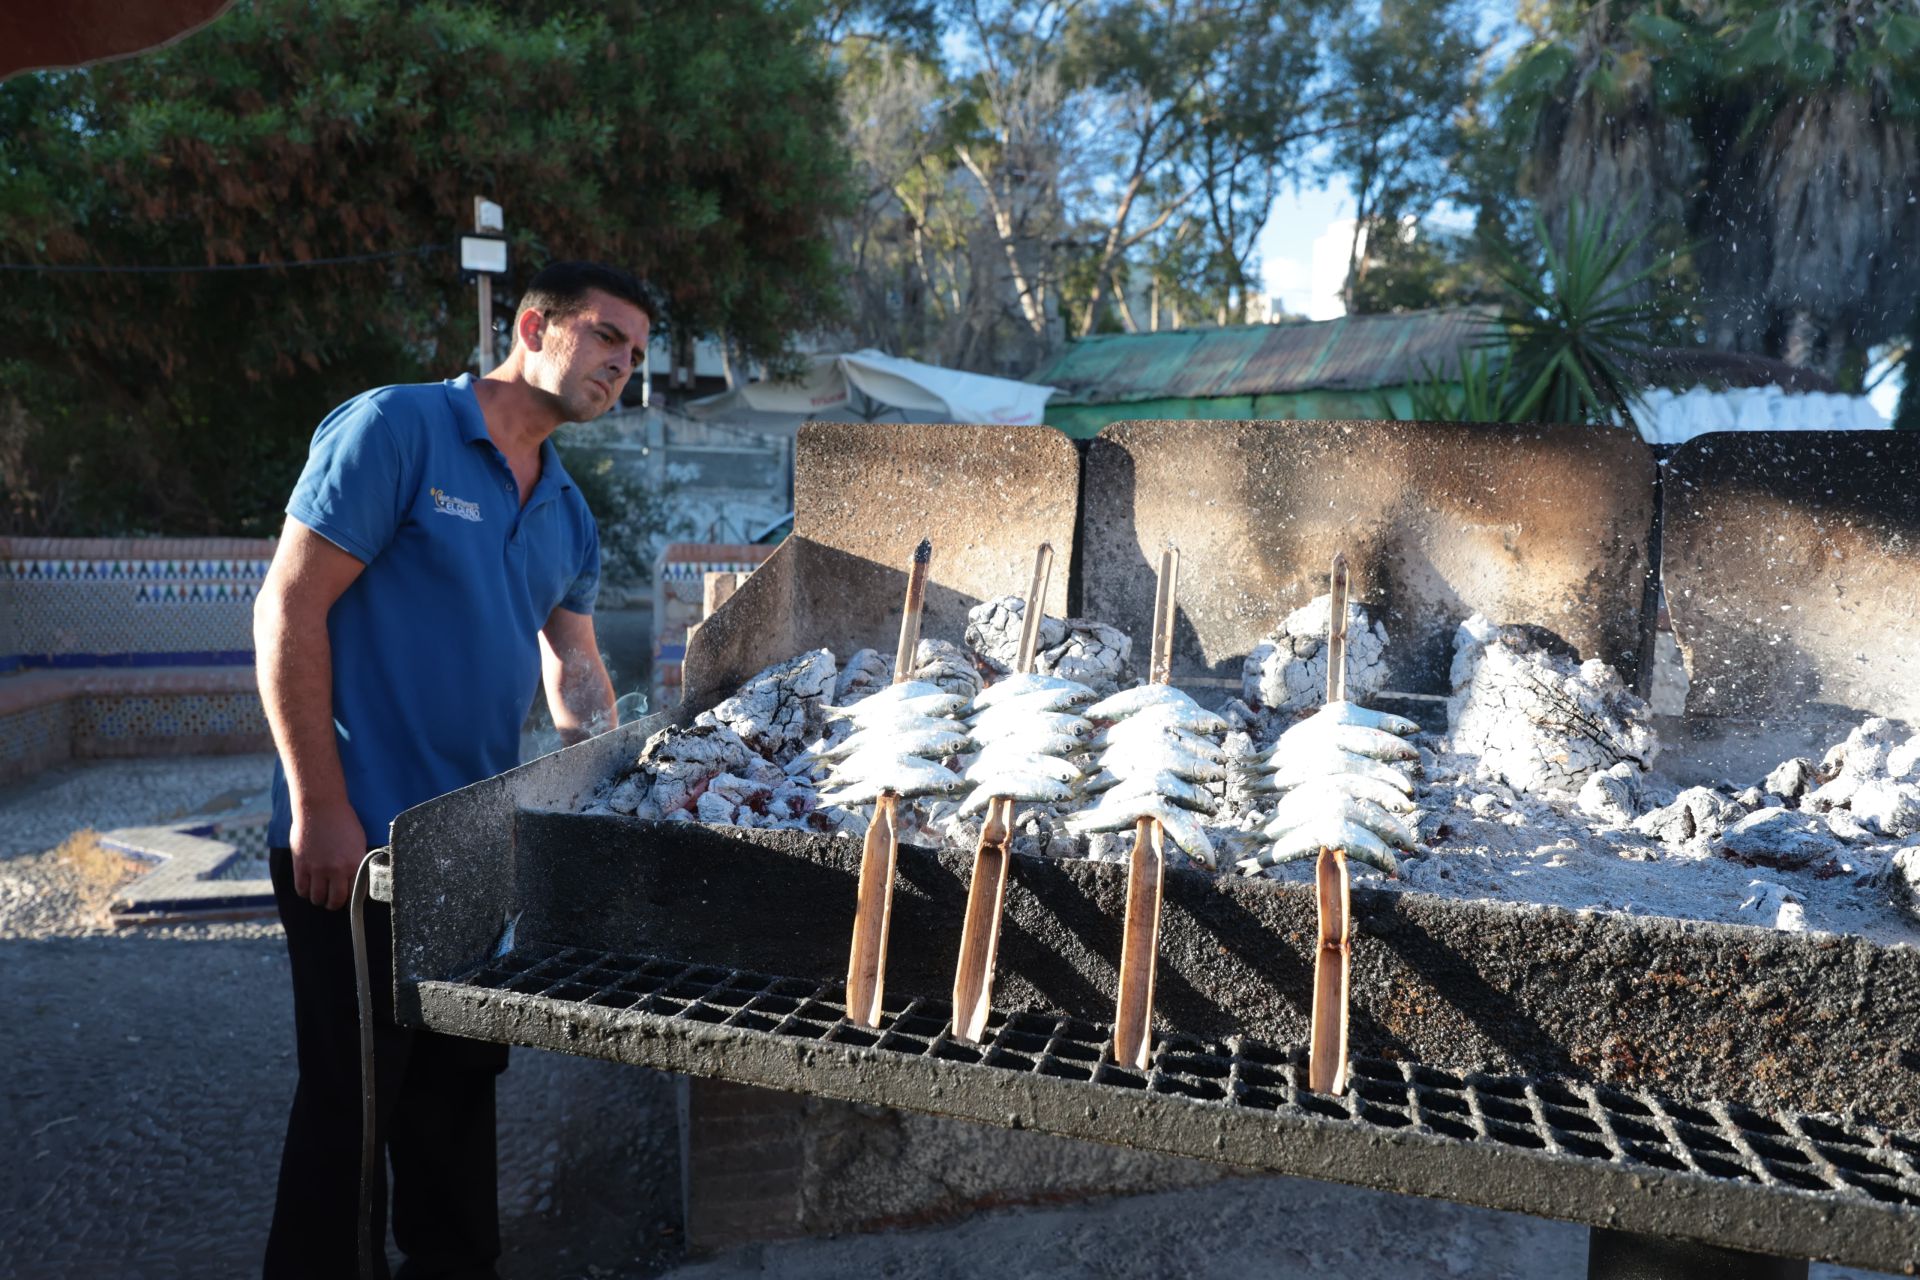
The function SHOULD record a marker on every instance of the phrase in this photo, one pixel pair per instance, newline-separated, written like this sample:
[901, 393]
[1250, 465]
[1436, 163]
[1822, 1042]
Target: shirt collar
[473, 429]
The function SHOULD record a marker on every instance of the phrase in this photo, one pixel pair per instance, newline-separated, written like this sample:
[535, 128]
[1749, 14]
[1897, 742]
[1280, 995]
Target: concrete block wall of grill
[127, 646]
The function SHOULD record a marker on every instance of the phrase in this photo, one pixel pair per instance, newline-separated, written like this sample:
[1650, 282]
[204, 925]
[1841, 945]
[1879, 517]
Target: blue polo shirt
[436, 655]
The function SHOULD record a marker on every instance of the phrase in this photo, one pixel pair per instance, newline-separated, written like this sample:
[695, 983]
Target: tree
[1407, 70]
[1780, 141]
[696, 145]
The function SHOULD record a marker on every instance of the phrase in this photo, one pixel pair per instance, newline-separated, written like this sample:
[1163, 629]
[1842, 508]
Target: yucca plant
[1575, 327]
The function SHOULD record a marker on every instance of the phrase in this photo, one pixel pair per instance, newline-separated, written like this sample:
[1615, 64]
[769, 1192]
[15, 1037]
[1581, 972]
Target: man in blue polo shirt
[438, 566]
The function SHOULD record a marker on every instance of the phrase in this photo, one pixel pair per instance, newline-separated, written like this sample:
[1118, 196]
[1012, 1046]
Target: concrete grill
[1727, 1085]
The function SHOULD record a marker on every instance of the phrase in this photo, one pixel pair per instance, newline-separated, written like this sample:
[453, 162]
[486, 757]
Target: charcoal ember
[1849, 765]
[1542, 721]
[993, 632]
[832, 819]
[944, 663]
[1752, 798]
[1780, 838]
[1615, 796]
[780, 708]
[1109, 846]
[731, 800]
[867, 671]
[1903, 877]
[1791, 780]
[1845, 826]
[1887, 807]
[1775, 906]
[1093, 653]
[626, 795]
[1240, 717]
[675, 766]
[1697, 813]
[1904, 760]
[1288, 670]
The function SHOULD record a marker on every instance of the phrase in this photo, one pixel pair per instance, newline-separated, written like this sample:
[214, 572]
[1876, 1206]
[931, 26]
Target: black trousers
[435, 1117]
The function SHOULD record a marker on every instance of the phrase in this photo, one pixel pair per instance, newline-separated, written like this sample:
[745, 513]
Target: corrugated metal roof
[1353, 353]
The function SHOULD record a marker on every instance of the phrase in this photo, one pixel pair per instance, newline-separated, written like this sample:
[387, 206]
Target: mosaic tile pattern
[133, 570]
[125, 603]
[107, 719]
[31, 740]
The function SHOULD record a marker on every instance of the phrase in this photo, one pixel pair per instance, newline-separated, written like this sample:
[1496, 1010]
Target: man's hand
[328, 846]
[578, 691]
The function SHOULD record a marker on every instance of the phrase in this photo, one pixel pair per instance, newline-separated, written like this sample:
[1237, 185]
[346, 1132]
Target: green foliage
[1573, 330]
[1567, 342]
[692, 144]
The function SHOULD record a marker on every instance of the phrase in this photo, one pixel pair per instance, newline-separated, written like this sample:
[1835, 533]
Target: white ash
[867, 671]
[1288, 670]
[779, 710]
[944, 663]
[993, 632]
[1541, 719]
[673, 769]
[1623, 841]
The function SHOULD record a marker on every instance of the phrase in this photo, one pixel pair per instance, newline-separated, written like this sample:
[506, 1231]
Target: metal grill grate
[1781, 1152]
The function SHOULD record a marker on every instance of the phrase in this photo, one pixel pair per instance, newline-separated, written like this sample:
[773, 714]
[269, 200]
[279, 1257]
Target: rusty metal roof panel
[1351, 353]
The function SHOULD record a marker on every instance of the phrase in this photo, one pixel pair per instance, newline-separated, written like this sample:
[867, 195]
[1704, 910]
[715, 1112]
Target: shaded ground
[144, 1077]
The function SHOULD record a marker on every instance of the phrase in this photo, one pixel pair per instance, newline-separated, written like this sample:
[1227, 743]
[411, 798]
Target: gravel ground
[145, 1076]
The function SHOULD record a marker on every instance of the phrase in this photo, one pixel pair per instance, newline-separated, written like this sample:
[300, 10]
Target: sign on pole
[485, 255]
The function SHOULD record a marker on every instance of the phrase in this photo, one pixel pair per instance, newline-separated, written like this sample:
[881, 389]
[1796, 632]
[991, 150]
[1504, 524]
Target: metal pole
[1622, 1255]
[486, 218]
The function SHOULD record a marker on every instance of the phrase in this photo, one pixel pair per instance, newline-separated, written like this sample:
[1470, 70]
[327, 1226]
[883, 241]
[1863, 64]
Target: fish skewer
[1333, 959]
[1147, 867]
[873, 909]
[987, 890]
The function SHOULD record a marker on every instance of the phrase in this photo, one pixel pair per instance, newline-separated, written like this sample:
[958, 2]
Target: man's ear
[531, 329]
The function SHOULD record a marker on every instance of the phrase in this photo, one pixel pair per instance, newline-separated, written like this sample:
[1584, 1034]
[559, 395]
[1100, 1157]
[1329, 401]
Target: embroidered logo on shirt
[448, 505]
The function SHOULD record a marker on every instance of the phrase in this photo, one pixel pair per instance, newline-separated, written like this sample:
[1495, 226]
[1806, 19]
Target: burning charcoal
[715, 809]
[627, 795]
[778, 710]
[1779, 838]
[1542, 722]
[1697, 813]
[1615, 796]
[733, 800]
[993, 632]
[1775, 906]
[1752, 798]
[1887, 807]
[1288, 671]
[1791, 780]
[1848, 766]
[1845, 826]
[1093, 653]
[1904, 760]
[1904, 878]
[867, 671]
[946, 664]
[675, 766]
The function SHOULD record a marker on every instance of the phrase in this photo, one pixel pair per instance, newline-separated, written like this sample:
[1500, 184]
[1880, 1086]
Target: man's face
[585, 359]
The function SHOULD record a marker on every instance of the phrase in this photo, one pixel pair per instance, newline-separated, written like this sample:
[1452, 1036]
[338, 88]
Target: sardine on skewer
[877, 709]
[1337, 786]
[1130, 702]
[1308, 839]
[1010, 783]
[1117, 813]
[995, 761]
[1333, 764]
[1021, 685]
[1175, 788]
[1363, 813]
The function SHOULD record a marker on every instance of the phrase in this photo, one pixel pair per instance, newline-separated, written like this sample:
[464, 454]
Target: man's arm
[295, 663]
[579, 693]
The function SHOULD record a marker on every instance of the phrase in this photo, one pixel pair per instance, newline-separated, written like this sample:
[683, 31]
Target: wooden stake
[1146, 869]
[873, 908]
[1327, 1051]
[1327, 1057]
[987, 891]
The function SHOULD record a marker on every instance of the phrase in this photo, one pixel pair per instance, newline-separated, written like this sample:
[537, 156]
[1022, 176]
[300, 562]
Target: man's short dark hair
[560, 290]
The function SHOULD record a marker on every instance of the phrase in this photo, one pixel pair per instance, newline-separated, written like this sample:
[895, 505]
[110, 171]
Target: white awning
[871, 386]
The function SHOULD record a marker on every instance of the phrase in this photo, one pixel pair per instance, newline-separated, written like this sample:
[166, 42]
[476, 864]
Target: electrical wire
[58, 268]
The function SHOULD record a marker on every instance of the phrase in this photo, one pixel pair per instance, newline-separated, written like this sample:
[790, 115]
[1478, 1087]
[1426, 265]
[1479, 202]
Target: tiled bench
[48, 717]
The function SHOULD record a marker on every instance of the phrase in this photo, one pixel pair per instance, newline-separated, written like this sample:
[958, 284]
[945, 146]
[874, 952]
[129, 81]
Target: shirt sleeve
[585, 591]
[353, 491]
